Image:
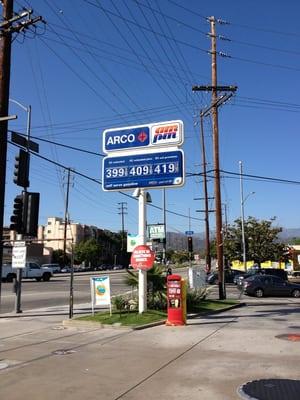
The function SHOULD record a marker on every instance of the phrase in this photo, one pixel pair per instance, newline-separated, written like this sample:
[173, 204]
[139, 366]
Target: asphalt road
[56, 291]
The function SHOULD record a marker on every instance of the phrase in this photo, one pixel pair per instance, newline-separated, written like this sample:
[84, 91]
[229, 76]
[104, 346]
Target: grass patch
[213, 305]
[125, 318]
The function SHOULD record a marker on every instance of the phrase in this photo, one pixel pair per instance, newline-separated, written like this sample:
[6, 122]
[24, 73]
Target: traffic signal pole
[5, 60]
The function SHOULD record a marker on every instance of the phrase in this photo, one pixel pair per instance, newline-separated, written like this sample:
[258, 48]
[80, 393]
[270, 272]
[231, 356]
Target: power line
[99, 182]
[62, 145]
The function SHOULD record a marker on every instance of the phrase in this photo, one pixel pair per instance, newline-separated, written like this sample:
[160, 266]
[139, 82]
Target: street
[56, 291]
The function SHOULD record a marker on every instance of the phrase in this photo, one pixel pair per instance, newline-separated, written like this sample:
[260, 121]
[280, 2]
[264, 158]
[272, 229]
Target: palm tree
[156, 280]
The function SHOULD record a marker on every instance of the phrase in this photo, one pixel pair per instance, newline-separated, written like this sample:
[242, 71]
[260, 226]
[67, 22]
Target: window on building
[49, 231]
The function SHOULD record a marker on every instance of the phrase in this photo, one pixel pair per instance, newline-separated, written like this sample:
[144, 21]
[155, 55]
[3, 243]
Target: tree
[261, 240]
[88, 251]
[179, 257]
[156, 283]
[58, 257]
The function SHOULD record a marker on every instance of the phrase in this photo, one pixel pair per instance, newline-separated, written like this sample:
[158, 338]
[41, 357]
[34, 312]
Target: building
[53, 235]
[51, 238]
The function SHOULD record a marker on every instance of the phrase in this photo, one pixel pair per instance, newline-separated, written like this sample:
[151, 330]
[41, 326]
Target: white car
[54, 267]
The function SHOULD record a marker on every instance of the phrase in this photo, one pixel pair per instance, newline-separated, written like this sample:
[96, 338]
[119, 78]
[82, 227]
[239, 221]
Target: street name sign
[147, 170]
[189, 233]
[169, 133]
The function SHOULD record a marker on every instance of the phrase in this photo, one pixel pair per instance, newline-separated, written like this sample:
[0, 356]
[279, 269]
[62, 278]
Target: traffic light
[25, 216]
[21, 172]
[17, 218]
[190, 244]
[31, 214]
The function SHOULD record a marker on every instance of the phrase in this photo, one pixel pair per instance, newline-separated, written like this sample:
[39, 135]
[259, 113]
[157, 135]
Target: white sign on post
[19, 255]
[100, 291]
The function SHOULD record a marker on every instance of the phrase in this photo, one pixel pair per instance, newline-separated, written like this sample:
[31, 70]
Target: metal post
[242, 217]
[165, 227]
[190, 253]
[71, 302]
[19, 237]
[142, 236]
[18, 286]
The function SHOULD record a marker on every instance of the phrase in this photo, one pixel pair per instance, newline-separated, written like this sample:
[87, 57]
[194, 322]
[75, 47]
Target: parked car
[102, 267]
[230, 274]
[53, 267]
[281, 273]
[65, 269]
[269, 285]
[118, 266]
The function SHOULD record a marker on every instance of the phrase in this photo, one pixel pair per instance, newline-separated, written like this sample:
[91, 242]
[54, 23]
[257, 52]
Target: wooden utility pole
[207, 240]
[215, 125]
[5, 58]
[215, 102]
[66, 222]
[122, 208]
[11, 23]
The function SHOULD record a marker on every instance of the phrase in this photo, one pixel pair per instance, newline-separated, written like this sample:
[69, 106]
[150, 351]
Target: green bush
[125, 303]
[195, 296]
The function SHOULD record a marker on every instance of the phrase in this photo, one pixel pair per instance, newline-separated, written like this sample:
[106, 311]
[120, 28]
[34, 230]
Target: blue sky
[105, 64]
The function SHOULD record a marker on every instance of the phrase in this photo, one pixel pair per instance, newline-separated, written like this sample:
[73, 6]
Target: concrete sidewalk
[210, 358]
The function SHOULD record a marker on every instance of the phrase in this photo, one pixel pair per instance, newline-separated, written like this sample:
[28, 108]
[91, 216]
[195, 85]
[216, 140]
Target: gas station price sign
[144, 170]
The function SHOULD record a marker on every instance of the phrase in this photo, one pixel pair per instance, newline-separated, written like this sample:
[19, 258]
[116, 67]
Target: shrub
[194, 297]
[125, 303]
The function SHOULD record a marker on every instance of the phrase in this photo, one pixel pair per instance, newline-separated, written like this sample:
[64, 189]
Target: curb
[91, 324]
[204, 313]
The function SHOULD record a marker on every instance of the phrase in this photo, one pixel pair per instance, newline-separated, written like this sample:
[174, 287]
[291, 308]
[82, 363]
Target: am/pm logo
[167, 133]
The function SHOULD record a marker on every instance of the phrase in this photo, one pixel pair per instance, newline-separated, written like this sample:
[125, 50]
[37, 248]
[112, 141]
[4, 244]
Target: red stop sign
[142, 257]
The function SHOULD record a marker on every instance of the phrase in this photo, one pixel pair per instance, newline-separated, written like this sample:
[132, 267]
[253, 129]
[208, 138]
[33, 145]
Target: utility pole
[214, 88]
[219, 239]
[242, 216]
[207, 240]
[11, 23]
[5, 59]
[122, 208]
[66, 215]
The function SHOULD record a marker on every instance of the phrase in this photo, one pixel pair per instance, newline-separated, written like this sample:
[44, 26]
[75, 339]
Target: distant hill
[288, 234]
[178, 241]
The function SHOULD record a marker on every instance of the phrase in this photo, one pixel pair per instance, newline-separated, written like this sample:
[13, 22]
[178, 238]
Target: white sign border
[158, 150]
[151, 146]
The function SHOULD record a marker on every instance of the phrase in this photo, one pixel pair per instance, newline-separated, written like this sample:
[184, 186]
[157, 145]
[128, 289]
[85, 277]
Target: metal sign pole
[142, 235]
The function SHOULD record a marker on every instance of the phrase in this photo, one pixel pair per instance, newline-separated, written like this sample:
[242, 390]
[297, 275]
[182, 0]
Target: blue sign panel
[127, 138]
[189, 233]
[148, 170]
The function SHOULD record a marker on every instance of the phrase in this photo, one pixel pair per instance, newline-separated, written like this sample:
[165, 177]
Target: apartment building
[53, 233]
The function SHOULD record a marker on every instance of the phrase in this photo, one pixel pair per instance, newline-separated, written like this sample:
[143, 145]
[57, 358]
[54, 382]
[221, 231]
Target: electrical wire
[98, 181]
